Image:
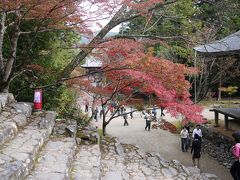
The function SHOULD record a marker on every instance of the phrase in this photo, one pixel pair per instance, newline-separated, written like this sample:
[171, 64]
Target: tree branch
[117, 19]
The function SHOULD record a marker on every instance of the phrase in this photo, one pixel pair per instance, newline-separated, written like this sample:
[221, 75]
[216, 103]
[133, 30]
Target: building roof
[226, 46]
[92, 62]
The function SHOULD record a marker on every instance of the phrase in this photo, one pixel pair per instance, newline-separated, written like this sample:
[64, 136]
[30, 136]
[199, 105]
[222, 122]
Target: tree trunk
[219, 88]
[104, 126]
[2, 31]
[8, 67]
[96, 40]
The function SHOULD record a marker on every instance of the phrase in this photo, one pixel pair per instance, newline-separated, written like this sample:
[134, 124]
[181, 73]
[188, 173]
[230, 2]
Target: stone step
[54, 160]
[112, 161]
[17, 156]
[87, 163]
[12, 118]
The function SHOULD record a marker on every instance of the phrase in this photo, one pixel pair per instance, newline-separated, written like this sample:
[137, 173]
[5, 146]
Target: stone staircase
[32, 149]
[22, 136]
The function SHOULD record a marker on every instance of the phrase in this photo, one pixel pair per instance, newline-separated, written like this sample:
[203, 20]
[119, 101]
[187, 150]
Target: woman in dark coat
[196, 150]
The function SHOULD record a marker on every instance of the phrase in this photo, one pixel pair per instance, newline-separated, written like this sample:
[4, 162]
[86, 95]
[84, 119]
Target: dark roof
[226, 46]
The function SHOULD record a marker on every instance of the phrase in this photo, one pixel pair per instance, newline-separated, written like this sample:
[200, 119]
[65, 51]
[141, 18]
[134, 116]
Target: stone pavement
[128, 162]
[160, 141]
[55, 160]
[87, 163]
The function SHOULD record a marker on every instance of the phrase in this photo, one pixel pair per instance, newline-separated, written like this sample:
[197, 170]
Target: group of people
[196, 142]
[96, 112]
[150, 115]
[121, 111]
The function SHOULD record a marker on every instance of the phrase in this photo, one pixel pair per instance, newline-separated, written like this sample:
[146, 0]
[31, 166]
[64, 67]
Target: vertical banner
[37, 100]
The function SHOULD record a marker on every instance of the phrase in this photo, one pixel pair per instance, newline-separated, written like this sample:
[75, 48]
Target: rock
[5, 98]
[48, 120]
[209, 176]
[167, 173]
[90, 127]
[72, 130]
[119, 148]
[146, 170]
[78, 141]
[193, 170]
[116, 175]
[86, 137]
[20, 119]
[164, 163]
[153, 161]
[22, 107]
[173, 171]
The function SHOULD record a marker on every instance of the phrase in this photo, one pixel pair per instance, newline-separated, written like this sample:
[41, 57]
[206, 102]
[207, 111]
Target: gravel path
[167, 144]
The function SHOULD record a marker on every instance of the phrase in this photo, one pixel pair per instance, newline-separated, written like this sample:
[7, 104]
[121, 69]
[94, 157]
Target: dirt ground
[167, 144]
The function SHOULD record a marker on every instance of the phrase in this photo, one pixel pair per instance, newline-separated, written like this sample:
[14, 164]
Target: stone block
[47, 121]
[72, 130]
[119, 148]
[116, 175]
[22, 107]
[5, 98]
[209, 176]
[20, 119]
[8, 131]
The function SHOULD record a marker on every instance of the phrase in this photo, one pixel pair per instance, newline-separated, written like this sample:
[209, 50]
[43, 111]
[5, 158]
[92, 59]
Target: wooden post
[226, 121]
[216, 119]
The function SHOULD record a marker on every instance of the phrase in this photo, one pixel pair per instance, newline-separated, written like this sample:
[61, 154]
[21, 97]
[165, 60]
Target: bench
[227, 112]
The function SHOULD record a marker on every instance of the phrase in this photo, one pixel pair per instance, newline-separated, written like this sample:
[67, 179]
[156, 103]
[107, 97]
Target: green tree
[40, 64]
[186, 24]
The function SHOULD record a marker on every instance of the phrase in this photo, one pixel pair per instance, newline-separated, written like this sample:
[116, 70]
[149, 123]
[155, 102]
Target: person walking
[197, 131]
[162, 114]
[101, 112]
[154, 112]
[96, 114]
[110, 107]
[131, 112]
[86, 107]
[196, 150]
[184, 139]
[235, 168]
[147, 117]
[125, 117]
[122, 109]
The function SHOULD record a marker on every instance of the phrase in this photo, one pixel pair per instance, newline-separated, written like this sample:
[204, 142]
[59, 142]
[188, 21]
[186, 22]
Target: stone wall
[218, 146]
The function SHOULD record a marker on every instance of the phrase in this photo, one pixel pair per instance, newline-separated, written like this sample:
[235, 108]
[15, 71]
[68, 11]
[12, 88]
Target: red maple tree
[128, 71]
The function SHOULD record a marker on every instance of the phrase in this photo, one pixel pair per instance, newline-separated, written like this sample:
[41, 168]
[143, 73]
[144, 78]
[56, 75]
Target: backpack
[236, 150]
